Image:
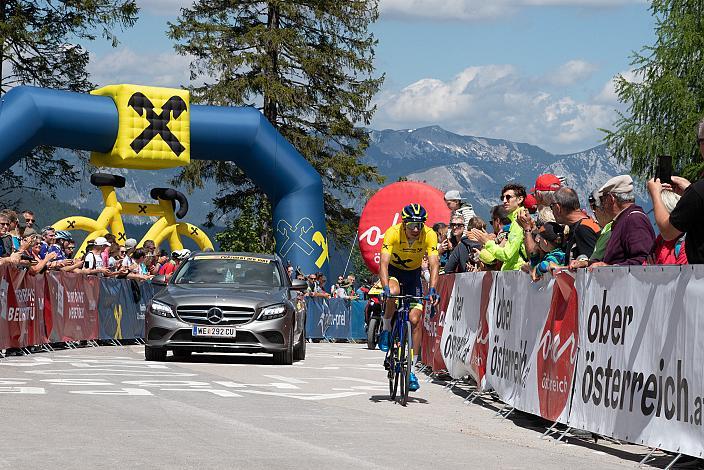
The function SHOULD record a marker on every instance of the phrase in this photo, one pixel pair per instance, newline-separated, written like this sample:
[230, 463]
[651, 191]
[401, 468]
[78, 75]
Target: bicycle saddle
[168, 194]
[106, 179]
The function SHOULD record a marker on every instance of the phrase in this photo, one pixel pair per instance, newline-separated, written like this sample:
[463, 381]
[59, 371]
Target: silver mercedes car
[227, 302]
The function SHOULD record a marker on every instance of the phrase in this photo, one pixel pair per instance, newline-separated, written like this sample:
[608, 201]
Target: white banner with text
[639, 375]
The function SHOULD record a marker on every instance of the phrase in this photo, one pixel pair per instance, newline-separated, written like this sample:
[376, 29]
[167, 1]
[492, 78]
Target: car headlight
[162, 309]
[274, 311]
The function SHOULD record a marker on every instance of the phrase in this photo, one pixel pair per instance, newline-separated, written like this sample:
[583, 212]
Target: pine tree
[308, 66]
[666, 101]
[40, 46]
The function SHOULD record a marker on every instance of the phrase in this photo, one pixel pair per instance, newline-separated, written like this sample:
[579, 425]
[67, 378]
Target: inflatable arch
[31, 116]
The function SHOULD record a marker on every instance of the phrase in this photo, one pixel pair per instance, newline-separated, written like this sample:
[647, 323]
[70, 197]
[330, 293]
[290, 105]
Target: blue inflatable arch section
[31, 116]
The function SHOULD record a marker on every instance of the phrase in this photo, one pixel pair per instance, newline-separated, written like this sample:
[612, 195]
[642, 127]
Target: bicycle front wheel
[392, 375]
[406, 363]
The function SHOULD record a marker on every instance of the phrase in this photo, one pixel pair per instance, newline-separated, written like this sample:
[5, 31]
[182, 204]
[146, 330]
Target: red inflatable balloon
[384, 210]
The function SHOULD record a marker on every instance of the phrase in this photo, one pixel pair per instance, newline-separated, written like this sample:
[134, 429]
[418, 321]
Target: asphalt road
[106, 407]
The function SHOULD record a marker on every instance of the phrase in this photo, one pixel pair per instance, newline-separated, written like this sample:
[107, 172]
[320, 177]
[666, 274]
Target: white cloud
[497, 101]
[572, 72]
[469, 10]
[123, 65]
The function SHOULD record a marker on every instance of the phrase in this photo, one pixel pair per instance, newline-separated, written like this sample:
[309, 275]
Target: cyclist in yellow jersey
[402, 253]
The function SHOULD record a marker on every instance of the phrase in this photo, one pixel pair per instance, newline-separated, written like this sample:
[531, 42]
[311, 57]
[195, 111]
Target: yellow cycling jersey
[405, 255]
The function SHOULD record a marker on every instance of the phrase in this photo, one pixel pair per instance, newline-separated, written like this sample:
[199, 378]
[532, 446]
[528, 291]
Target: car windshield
[229, 269]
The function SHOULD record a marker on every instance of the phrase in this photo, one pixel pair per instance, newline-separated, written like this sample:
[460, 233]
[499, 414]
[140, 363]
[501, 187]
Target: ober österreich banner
[533, 343]
[639, 375]
[461, 321]
[516, 337]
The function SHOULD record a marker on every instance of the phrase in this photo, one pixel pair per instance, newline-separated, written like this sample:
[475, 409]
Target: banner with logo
[461, 322]
[332, 318]
[480, 349]
[357, 323]
[74, 306]
[21, 308]
[383, 210]
[518, 312]
[639, 375]
[118, 311]
[431, 342]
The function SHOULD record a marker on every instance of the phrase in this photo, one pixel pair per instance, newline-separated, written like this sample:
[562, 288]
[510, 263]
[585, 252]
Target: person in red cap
[531, 203]
[544, 191]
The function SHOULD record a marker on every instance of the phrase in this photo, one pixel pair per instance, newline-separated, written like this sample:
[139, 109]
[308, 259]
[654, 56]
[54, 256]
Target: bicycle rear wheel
[406, 365]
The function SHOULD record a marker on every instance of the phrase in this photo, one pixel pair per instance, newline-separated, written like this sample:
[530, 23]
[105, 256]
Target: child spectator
[668, 251]
[549, 238]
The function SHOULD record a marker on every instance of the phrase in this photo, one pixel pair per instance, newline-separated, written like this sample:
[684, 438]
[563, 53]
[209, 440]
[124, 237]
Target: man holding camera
[687, 215]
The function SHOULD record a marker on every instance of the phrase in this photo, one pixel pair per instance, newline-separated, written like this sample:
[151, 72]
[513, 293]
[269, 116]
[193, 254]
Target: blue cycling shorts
[410, 283]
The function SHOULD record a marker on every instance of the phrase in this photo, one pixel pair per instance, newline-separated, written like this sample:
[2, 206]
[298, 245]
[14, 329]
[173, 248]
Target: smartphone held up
[663, 170]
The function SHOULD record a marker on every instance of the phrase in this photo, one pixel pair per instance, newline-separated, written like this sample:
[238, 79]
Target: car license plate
[215, 331]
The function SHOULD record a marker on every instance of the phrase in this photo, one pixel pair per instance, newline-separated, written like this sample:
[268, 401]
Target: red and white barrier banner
[461, 324]
[533, 343]
[639, 375]
[74, 306]
[21, 308]
[478, 359]
[516, 337]
[431, 347]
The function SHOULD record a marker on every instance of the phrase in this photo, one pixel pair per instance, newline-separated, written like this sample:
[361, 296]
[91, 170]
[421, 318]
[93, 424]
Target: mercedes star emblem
[214, 315]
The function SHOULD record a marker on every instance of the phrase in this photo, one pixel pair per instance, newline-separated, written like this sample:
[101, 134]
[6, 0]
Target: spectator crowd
[549, 229]
[38, 250]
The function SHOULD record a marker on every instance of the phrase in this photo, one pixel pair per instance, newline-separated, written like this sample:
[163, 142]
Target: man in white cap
[93, 262]
[632, 236]
[458, 207]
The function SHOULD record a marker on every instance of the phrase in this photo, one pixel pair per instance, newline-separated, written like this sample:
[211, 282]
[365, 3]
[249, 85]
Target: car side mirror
[299, 284]
[159, 280]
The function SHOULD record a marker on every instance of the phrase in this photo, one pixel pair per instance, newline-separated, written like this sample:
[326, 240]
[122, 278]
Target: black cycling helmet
[414, 213]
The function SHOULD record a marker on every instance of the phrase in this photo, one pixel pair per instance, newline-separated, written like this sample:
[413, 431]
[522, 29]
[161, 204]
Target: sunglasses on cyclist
[414, 225]
[507, 197]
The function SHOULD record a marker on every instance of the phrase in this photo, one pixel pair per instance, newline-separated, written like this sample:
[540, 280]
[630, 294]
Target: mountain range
[476, 166]
[479, 167]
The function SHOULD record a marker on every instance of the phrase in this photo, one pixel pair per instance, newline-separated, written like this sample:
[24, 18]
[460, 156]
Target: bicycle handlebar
[168, 194]
[106, 179]
[409, 297]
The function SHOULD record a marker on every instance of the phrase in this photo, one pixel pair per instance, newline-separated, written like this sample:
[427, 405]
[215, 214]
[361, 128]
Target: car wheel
[285, 358]
[182, 354]
[299, 353]
[154, 354]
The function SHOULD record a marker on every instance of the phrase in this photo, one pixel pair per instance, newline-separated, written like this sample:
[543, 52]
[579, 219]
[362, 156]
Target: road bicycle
[110, 219]
[399, 358]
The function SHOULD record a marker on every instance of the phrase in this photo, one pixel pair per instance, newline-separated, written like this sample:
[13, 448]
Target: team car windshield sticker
[233, 257]
[154, 128]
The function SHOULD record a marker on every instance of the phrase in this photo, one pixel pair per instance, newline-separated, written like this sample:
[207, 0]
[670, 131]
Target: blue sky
[536, 71]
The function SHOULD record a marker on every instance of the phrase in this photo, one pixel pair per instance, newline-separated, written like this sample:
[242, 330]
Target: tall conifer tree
[308, 66]
[40, 45]
[666, 100]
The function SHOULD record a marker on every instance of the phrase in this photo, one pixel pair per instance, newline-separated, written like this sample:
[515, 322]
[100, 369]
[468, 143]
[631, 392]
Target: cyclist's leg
[415, 316]
[390, 310]
[385, 335]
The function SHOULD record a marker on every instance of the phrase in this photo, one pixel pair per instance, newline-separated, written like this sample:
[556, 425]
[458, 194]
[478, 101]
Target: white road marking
[290, 380]
[124, 392]
[23, 390]
[79, 382]
[220, 393]
[14, 381]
